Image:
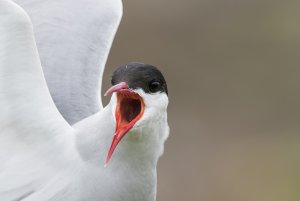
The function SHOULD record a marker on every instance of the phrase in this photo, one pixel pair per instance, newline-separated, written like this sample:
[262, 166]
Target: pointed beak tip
[116, 88]
[107, 160]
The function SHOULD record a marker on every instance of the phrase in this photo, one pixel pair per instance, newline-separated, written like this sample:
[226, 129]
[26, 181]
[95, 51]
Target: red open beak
[130, 108]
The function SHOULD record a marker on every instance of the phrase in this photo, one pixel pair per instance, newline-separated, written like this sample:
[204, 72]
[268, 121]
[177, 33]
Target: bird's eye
[154, 86]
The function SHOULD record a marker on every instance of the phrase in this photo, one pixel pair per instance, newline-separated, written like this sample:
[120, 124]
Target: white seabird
[43, 158]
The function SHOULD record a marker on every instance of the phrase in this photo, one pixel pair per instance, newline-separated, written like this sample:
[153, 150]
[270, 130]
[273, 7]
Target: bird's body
[43, 158]
[77, 172]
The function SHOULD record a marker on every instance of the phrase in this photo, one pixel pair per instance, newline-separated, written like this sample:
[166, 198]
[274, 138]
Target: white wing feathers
[34, 137]
[73, 39]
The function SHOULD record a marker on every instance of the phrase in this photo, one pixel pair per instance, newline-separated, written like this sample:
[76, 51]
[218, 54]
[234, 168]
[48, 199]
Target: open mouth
[129, 109]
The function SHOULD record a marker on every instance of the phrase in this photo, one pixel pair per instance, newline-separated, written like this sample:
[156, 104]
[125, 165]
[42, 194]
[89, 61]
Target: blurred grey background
[233, 74]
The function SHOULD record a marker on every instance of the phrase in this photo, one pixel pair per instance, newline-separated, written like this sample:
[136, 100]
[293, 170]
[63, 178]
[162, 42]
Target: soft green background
[233, 72]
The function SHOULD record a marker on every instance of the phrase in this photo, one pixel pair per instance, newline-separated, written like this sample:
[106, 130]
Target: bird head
[141, 101]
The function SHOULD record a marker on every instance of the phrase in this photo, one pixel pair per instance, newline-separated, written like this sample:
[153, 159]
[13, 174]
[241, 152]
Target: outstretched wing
[36, 143]
[73, 39]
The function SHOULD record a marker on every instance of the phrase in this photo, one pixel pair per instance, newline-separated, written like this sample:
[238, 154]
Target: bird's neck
[132, 167]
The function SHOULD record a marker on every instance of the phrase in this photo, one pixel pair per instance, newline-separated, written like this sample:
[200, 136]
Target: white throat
[132, 168]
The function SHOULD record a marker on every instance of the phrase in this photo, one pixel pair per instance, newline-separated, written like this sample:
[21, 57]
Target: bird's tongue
[130, 108]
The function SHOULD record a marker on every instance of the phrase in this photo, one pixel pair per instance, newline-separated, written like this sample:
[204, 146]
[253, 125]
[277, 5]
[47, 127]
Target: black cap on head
[139, 75]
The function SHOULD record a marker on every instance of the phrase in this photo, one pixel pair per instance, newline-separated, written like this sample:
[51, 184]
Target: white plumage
[73, 39]
[42, 157]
